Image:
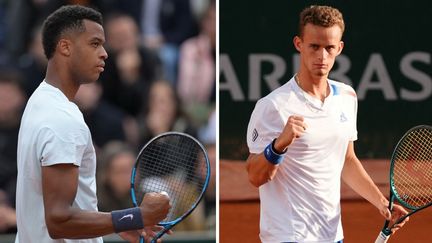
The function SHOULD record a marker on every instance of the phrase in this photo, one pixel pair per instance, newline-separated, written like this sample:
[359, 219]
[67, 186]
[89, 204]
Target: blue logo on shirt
[343, 118]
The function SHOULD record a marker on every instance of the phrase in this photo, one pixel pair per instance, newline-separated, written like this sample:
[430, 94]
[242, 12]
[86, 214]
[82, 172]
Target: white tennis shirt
[302, 202]
[52, 131]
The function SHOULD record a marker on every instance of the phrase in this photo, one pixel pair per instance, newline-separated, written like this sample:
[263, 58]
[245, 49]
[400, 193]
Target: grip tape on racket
[382, 238]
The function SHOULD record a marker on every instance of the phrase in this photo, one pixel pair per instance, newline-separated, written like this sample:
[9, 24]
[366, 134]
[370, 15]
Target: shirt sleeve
[65, 146]
[265, 125]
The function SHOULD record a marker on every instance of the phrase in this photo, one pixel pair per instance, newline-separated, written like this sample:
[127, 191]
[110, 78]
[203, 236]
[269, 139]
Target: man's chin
[94, 78]
[90, 80]
[321, 73]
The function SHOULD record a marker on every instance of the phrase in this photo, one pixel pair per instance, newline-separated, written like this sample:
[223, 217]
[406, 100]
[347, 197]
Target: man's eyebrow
[100, 40]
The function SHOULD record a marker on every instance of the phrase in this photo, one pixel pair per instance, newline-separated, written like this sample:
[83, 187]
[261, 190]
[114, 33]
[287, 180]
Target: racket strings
[412, 169]
[177, 165]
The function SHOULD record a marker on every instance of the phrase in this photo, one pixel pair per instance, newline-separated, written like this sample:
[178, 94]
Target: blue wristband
[127, 219]
[271, 155]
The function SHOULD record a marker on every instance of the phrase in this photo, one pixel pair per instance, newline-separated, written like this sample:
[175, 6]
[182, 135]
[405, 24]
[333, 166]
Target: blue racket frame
[170, 224]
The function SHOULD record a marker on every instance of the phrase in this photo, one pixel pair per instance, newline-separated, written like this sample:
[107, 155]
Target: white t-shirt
[302, 202]
[52, 131]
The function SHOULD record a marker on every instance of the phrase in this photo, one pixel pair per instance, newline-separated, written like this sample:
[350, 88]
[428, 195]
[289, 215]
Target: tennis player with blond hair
[301, 142]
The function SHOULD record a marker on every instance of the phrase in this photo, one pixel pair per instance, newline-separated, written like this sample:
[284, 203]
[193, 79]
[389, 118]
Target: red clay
[361, 221]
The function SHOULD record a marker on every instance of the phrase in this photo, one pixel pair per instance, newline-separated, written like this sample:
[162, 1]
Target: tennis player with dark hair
[56, 188]
[301, 142]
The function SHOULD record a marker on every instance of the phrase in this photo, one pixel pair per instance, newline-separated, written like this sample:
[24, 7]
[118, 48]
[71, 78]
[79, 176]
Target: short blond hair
[324, 16]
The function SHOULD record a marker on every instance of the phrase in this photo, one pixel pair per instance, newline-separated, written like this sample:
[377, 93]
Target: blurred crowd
[159, 76]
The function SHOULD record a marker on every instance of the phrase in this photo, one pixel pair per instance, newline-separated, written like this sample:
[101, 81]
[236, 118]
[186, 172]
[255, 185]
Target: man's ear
[297, 43]
[341, 46]
[64, 47]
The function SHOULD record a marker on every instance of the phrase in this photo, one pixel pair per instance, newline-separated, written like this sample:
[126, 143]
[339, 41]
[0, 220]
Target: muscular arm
[356, 177]
[60, 183]
[260, 171]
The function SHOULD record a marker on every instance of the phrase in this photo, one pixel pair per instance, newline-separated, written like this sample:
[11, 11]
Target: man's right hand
[154, 208]
[294, 128]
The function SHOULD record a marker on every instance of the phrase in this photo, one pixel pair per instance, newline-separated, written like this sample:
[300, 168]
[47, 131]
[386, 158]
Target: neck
[57, 76]
[314, 86]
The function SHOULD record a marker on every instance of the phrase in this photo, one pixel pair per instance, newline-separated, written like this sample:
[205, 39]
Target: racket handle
[382, 238]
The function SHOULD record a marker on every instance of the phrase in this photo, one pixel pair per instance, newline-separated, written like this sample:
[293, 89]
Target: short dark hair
[324, 16]
[65, 19]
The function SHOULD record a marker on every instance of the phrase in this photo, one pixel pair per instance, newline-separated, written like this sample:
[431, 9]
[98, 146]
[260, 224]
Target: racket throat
[162, 232]
[386, 231]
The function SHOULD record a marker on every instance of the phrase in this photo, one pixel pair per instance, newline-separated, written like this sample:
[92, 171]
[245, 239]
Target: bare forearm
[260, 171]
[63, 220]
[79, 224]
[355, 176]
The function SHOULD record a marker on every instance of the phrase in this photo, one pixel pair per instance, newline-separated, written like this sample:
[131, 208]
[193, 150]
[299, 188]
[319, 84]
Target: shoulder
[339, 88]
[270, 106]
[280, 96]
[46, 109]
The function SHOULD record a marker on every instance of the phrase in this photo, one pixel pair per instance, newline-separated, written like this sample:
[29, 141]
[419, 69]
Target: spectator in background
[22, 15]
[113, 177]
[207, 133]
[106, 122]
[115, 166]
[20, 19]
[131, 68]
[150, 29]
[176, 23]
[197, 72]
[33, 63]
[199, 7]
[162, 113]
[7, 215]
[12, 101]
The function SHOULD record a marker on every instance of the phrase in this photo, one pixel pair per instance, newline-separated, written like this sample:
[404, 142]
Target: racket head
[411, 168]
[176, 163]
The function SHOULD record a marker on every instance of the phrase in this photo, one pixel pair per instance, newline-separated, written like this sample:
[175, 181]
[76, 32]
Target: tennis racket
[175, 163]
[410, 175]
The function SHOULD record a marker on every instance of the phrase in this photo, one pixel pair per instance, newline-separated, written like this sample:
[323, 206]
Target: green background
[389, 29]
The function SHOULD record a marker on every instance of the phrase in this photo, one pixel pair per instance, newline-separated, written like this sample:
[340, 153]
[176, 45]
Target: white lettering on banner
[232, 84]
[375, 76]
[271, 79]
[376, 65]
[339, 73]
[421, 78]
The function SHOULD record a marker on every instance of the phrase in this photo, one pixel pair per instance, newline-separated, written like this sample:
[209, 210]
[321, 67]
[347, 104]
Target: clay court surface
[239, 210]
